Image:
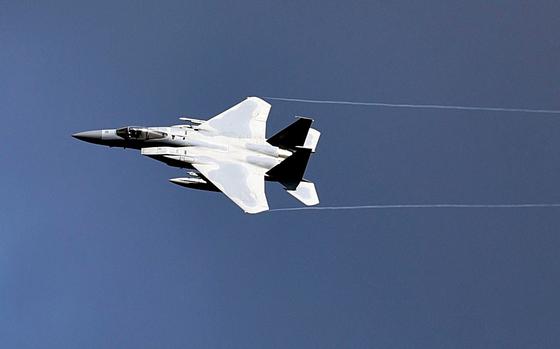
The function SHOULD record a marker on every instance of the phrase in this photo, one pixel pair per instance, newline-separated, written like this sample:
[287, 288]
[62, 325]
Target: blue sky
[98, 249]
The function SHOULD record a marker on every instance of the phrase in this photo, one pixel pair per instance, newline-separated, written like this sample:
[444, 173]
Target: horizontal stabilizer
[290, 171]
[292, 136]
[306, 193]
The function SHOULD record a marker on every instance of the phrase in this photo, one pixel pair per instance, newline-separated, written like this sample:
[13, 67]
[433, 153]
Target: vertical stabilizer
[290, 171]
[312, 139]
[292, 136]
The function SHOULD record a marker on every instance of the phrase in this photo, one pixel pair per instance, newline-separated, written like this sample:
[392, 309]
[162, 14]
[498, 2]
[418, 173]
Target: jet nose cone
[88, 136]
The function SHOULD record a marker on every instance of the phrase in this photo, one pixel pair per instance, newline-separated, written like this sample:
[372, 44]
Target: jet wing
[244, 120]
[242, 183]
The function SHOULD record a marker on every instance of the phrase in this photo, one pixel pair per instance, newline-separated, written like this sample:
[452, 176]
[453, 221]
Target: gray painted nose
[88, 136]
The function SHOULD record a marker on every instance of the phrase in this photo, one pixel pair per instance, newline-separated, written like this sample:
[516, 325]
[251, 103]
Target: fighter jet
[228, 153]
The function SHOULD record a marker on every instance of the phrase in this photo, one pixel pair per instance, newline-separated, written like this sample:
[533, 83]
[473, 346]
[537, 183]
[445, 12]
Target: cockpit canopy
[139, 133]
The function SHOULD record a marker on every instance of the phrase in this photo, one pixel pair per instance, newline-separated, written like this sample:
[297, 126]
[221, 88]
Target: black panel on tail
[290, 171]
[292, 136]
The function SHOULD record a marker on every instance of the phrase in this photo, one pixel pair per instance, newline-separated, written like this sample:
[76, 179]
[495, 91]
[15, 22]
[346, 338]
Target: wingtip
[258, 99]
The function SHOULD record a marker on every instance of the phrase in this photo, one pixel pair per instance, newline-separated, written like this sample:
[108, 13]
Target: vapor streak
[409, 206]
[419, 106]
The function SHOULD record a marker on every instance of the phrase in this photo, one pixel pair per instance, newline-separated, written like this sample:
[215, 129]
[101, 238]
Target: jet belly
[254, 152]
[267, 149]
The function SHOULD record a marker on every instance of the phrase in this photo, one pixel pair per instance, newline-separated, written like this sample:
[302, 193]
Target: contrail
[417, 106]
[424, 106]
[408, 206]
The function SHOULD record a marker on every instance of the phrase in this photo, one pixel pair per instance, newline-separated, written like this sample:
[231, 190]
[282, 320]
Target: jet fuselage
[229, 153]
[182, 145]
